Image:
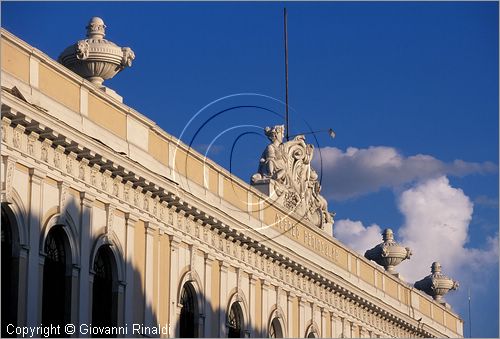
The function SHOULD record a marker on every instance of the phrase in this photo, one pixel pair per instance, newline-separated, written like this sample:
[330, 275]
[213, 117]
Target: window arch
[188, 322]
[275, 329]
[10, 272]
[104, 289]
[235, 321]
[56, 295]
[312, 332]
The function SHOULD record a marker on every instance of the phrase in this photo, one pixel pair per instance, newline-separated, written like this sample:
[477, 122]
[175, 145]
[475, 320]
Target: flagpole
[286, 77]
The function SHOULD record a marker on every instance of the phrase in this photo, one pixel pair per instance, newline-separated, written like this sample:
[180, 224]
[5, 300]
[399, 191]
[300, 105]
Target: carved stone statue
[285, 173]
[273, 160]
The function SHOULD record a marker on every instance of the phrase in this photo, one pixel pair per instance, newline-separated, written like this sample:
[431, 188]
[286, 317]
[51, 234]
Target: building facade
[110, 224]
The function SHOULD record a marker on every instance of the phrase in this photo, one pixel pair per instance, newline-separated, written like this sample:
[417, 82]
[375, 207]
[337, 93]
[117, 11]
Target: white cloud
[357, 236]
[436, 226]
[360, 171]
[437, 218]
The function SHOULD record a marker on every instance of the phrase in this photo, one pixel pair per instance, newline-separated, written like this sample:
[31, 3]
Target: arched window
[10, 269]
[56, 297]
[275, 330]
[235, 321]
[104, 298]
[312, 331]
[189, 313]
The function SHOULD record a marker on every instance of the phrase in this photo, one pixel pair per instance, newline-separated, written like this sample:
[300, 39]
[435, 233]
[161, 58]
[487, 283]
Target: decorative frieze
[116, 186]
[32, 143]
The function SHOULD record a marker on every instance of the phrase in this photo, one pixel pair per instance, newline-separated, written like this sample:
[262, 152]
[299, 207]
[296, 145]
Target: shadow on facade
[59, 274]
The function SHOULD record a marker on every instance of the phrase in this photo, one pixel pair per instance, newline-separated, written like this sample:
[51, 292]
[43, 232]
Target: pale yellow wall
[139, 270]
[195, 170]
[235, 194]
[379, 280]
[405, 295]
[391, 287]
[295, 315]
[213, 181]
[14, 61]
[74, 193]
[180, 161]
[59, 87]
[269, 214]
[107, 116]
[352, 267]
[451, 321]
[438, 314]
[255, 200]
[366, 272]
[317, 242]
[158, 147]
[425, 306]
[328, 325]
[47, 180]
[99, 204]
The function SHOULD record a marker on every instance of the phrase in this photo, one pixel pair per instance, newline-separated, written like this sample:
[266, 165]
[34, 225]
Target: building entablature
[262, 239]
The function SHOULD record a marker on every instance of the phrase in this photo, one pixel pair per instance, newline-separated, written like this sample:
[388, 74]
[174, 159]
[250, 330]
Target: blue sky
[411, 88]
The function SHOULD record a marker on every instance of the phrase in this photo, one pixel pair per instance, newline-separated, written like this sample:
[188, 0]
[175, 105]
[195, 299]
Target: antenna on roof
[470, 320]
[286, 76]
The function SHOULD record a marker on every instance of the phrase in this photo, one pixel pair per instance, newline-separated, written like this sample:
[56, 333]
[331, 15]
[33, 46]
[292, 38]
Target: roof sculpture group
[285, 173]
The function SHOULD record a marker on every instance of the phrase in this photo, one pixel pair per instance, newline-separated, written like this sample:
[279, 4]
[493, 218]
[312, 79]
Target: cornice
[103, 158]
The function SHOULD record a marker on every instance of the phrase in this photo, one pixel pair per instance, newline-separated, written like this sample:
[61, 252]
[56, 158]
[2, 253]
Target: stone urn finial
[436, 284]
[388, 253]
[95, 58]
[96, 28]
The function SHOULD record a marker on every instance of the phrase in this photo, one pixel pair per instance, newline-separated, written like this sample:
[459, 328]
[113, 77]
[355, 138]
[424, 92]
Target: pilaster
[149, 305]
[174, 281]
[207, 306]
[289, 313]
[223, 299]
[33, 286]
[86, 200]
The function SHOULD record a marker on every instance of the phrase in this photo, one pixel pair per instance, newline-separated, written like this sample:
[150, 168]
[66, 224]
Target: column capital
[37, 174]
[151, 228]
[175, 241]
[87, 199]
[131, 218]
[223, 266]
[209, 258]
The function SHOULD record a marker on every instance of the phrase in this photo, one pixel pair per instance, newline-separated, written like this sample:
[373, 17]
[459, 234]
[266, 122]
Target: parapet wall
[78, 103]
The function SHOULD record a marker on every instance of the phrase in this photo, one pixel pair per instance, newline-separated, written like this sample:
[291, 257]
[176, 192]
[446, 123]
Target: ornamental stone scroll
[286, 175]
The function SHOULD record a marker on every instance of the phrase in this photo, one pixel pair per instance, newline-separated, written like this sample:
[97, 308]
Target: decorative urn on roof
[95, 58]
[388, 253]
[436, 284]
